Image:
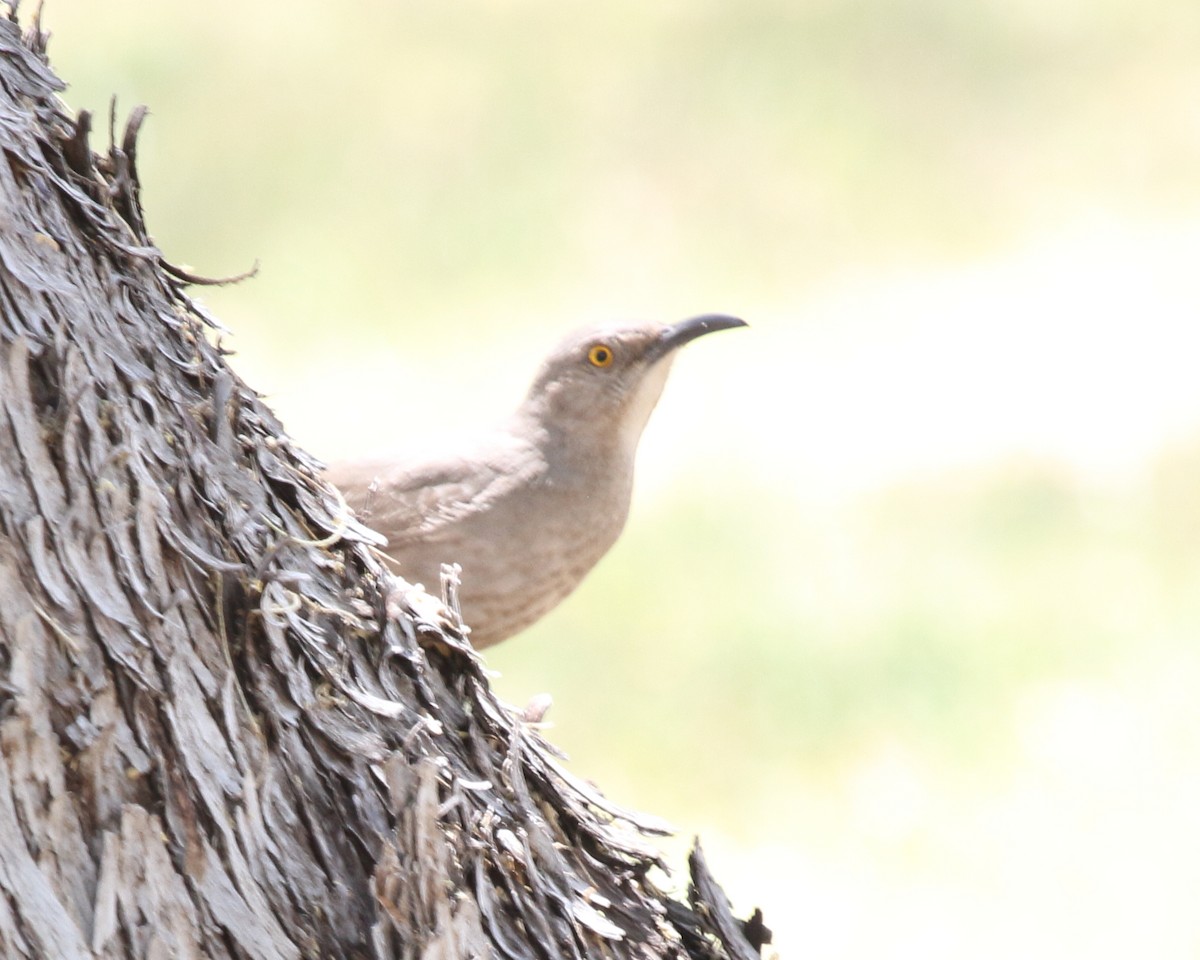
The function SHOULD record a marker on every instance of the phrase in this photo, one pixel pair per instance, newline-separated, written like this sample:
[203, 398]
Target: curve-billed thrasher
[529, 511]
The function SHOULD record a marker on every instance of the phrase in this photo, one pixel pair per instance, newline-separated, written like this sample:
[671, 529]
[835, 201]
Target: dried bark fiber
[217, 739]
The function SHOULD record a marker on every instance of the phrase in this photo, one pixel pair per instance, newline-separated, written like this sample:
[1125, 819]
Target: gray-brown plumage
[537, 503]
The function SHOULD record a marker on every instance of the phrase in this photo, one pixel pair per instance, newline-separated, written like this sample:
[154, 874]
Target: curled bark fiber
[218, 738]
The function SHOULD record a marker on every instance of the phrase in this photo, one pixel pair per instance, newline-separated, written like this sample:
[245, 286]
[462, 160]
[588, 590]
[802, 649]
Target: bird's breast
[532, 549]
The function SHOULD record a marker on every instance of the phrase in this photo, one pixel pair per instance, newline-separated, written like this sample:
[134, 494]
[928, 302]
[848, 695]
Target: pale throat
[601, 445]
[640, 404]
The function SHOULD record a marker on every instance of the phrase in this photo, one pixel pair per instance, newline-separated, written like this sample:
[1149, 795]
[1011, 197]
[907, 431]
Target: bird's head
[603, 383]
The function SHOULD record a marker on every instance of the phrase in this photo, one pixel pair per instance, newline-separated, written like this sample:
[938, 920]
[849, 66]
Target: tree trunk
[223, 731]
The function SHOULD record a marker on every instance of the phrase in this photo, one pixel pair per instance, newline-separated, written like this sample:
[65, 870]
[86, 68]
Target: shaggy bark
[219, 737]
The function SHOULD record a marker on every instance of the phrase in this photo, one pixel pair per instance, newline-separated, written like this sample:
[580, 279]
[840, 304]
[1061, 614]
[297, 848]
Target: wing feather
[412, 503]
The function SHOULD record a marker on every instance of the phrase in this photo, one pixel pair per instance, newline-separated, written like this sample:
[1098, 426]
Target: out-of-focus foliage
[905, 622]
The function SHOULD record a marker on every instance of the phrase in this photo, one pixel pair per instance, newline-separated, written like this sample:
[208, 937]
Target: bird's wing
[411, 502]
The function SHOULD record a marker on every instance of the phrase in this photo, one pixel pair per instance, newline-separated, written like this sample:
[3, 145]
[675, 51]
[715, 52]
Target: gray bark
[219, 737]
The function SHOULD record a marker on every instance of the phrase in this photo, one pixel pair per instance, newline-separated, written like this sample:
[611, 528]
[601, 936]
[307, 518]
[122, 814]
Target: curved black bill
[685, 331]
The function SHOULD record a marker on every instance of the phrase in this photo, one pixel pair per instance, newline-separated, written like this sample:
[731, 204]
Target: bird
[533, 505]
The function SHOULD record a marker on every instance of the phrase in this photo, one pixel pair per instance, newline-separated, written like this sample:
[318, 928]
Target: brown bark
[217, 737]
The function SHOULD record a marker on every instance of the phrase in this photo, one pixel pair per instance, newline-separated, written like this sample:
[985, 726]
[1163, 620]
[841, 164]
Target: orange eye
[600, 355]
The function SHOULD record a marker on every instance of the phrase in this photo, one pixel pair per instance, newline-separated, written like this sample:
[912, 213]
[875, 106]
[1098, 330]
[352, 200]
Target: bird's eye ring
[600, 355]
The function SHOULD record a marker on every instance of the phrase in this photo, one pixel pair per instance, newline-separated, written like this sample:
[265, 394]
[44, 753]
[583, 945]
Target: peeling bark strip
[216, 739]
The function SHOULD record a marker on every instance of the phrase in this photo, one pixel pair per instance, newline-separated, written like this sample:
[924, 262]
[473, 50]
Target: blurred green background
[905, 621]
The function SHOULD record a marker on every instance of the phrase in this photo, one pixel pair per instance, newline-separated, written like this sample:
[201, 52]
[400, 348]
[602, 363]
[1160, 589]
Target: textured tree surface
[223, 732]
